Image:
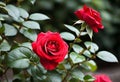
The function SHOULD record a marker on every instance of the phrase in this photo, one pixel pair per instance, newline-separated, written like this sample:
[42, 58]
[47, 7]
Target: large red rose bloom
[91, 17]
[51, 49]
[102, 78]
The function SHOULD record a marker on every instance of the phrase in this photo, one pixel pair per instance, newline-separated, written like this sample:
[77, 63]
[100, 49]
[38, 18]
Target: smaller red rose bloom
[102, 78]
[51, 49]
[91, 17]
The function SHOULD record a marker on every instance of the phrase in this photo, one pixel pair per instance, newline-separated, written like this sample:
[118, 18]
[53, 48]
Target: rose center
[52, 46]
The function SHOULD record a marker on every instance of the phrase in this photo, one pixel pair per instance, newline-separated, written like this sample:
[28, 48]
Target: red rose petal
[48, 65]
[102, 78]
[51, 49]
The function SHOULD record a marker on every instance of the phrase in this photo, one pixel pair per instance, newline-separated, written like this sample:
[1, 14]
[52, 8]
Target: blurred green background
[62, 12]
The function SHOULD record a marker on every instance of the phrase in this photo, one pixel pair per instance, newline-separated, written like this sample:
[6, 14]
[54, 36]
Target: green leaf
[76, 58]
[106, 15]
[77, 48]
[83, 33]
[30, 34]
[54, 77]
[73, 29]
[20, 20]
[90, 32]
[23, 13]
[26, 44]
[4, 46]
[31, 24]
[67, 36]
[3, 10]
[91, 65]
[36, 70]
[79, 22]
[67, 66]
[89, 78]
[38, 16]
[2, 4]
[74, 80]
[19, 58]
[0, 38]
[93, 47]
[78, 74]
[20, 63]
[10, 30]
[13, 11]
[87, 53]
[3, 17]
[83, 26]
[32, 1]
[106, 56]
[0, 24]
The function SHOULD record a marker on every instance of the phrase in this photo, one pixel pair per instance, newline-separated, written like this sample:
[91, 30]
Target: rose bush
[91, 17]
[25, 62]
[51, 49]
[102, 78]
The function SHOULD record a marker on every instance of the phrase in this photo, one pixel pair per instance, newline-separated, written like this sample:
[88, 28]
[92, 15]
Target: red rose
[102, 78]
[91, 17]
[51, 49]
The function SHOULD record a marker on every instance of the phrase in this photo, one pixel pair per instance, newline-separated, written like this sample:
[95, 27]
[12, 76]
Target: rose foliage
[28, 54]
